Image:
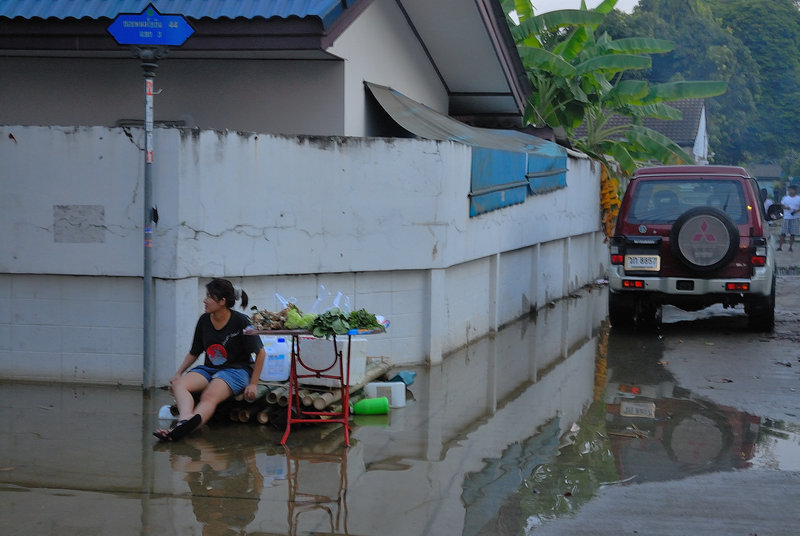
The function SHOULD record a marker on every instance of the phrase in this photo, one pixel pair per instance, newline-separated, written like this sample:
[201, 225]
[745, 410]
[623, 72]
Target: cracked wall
[384, 221]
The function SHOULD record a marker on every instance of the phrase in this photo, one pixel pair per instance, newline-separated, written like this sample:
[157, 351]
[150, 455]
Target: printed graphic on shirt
[217, 355]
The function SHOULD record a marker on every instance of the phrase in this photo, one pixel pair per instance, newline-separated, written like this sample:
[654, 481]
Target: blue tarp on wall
[498, 179]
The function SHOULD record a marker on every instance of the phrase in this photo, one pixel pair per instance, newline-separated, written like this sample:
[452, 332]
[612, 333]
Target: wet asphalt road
[737, 440]
[557, 425]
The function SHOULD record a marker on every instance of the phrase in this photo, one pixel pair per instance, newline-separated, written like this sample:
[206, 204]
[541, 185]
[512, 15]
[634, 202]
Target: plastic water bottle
[277, 364]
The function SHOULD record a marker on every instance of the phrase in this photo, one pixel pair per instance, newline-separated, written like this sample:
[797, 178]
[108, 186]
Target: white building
[344, 147]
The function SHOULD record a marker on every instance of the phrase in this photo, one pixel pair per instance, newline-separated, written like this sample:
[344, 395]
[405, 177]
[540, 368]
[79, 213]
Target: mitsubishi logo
[703, 235]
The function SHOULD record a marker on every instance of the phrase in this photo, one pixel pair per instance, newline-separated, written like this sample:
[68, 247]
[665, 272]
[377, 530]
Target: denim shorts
[236, 378]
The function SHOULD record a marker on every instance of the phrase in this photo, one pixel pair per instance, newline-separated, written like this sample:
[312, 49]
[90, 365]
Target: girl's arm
[187, 362]
[250, 390]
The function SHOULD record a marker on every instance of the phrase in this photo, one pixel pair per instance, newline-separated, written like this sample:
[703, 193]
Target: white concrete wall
[395, 57]
[385, 221]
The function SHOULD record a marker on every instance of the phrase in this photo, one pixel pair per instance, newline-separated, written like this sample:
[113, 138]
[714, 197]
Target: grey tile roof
[681, 131]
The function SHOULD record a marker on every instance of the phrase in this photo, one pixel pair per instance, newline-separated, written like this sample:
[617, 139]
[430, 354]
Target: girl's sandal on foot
[180, 430]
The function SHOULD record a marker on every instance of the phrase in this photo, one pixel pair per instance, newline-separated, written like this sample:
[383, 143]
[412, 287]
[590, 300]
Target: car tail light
[632, 283]
[759, 257]
[737, 287]
[617, 258]
[632, 389]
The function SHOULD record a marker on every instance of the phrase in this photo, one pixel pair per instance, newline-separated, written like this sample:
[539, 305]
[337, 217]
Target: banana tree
[577, 79]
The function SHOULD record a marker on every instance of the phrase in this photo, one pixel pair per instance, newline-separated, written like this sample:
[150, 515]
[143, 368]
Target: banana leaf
[537, 58]
[613, 63]
[561, 18]
[641, 45]
[671, 91]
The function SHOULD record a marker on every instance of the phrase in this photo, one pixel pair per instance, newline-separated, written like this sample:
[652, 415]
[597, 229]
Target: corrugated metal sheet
[430, 124]
[506, 164]
[326, 10]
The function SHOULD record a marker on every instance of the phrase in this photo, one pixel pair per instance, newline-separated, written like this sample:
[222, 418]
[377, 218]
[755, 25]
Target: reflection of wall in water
[492, 394]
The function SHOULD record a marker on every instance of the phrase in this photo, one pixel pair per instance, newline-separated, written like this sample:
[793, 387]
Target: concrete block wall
[384, 221]
[70, 328]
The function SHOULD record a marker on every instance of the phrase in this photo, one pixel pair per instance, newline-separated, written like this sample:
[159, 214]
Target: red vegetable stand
[338, 370]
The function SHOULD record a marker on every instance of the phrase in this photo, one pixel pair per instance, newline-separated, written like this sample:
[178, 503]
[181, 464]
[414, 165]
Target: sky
[543, 6]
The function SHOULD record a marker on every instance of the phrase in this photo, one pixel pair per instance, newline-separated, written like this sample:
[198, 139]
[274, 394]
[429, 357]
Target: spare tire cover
[704, 239]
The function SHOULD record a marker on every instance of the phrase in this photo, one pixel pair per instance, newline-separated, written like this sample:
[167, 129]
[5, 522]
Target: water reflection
[317, 494]
[658, 431]
[224, 483]
[508, 432]
[641, 427]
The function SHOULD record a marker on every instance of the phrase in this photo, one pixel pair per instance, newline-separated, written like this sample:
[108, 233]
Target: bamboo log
[326, 399]
[336, 407]
[275, 394]
[262, 416]
[372, 373]
[261, 392]
[308, 400]
[306, 397]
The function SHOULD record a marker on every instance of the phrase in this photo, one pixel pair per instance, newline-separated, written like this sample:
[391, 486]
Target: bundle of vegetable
[361, 319]
[267, 320]
[333, 321]
[298, 320]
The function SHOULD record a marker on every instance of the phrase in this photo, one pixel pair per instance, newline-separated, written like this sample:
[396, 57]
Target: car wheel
[704, 239]
[627, 312]
[761, 312]
[620, 311]
[646, 313]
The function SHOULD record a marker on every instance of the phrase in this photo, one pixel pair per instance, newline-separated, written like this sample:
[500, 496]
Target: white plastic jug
[278, 362]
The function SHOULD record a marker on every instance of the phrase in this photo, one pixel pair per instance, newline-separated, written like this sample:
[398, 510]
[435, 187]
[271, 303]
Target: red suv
[692, 236]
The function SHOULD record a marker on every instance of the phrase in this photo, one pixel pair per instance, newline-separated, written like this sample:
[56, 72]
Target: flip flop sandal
[183, 428]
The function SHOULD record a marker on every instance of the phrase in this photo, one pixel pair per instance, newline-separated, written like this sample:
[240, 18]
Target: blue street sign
[150, 28]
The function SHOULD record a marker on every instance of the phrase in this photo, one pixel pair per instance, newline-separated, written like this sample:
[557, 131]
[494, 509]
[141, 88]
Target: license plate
[643, 262]
[637, 409]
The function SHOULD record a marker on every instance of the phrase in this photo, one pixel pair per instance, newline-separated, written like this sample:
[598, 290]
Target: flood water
[507, 433]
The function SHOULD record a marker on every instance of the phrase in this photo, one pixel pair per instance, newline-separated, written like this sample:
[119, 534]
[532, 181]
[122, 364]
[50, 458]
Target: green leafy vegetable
[361, 319]
[332, 321]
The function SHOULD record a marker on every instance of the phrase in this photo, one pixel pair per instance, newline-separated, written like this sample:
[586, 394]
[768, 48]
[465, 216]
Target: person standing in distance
[791, 217]
[227, 369]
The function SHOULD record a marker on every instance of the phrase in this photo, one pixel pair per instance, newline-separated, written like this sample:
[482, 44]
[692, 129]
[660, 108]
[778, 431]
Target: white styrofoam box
[394, 391]
[318, 353]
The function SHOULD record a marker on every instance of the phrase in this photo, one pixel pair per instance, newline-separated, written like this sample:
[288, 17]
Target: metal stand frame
[296, 413]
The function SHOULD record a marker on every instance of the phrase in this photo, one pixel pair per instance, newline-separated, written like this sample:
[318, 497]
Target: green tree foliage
[770, 29]
[754, 46]
[703, 50]
[578, 77]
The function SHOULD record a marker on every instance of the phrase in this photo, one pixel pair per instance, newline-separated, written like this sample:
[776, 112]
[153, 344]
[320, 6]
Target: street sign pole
[149, 33]
[149, 57]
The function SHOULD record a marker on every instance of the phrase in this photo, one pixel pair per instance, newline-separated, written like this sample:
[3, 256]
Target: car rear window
[663, 201]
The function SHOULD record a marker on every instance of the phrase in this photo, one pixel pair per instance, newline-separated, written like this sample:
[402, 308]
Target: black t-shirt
[227, 347]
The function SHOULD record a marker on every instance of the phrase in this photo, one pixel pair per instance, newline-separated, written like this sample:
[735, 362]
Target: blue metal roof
[326, 10]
